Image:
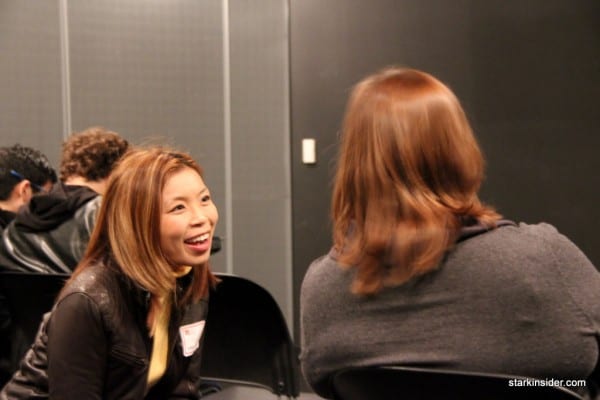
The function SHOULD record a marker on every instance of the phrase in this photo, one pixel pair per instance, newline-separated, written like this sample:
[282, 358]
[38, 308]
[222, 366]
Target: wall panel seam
[63, 19]
[227, 140]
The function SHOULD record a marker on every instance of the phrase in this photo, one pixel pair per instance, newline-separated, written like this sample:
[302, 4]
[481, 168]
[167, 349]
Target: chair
[246, 339]
[28, 296]
[406, 383]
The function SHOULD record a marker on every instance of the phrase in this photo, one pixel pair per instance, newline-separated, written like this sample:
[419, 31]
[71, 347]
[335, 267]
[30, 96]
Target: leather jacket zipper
[126, 356]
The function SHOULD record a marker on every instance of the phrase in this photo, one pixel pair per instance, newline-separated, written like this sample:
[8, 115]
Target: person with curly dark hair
[89, 156]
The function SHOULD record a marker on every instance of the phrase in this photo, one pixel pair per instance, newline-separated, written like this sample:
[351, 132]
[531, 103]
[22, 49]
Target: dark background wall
[527, 72]
[239, 84]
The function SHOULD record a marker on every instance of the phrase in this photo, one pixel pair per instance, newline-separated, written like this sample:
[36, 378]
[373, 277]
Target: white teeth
[199, 239]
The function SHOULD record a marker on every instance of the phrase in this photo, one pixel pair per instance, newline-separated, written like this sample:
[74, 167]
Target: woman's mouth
[198, 239]
[198, 244]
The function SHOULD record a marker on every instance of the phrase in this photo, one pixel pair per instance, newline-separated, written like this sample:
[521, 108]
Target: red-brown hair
[408, 173]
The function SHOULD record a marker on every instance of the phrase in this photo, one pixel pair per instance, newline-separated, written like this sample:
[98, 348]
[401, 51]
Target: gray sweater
[520, 300]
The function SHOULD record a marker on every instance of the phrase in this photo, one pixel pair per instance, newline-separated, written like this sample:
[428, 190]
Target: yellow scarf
[160, 333]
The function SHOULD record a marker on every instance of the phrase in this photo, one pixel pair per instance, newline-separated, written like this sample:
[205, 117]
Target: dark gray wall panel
[535, 95]
[260, 145]
[30, 76]
[153, 68]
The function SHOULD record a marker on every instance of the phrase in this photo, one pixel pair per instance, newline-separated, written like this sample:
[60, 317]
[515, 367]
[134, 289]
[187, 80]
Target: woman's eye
[205, 198]
[178, 207]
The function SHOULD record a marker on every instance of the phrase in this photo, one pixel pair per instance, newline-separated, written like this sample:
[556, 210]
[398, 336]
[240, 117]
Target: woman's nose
[199, 216]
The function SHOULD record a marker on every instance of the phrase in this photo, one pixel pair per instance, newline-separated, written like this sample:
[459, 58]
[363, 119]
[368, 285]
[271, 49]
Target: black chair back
[405, 383]
[246, 339]
[27, 297]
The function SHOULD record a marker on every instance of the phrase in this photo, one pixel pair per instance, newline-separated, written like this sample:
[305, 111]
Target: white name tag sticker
[190, 337]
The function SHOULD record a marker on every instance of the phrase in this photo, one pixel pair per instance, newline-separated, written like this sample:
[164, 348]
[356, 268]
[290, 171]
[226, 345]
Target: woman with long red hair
[422, 273]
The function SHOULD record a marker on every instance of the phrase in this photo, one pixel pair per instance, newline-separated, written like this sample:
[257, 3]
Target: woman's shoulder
[323, 266]
[558, 245]
[97, 282]
[540, 236]
[542, 230]
[547, 237]
[537, 246]
[325, 276]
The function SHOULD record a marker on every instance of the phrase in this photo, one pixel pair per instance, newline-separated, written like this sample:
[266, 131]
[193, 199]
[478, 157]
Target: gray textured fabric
[522, 300]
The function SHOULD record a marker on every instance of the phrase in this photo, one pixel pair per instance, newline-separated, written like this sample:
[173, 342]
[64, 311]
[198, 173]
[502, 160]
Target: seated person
[51, 234]
[129, 322]
[422, 273]
[23, 172]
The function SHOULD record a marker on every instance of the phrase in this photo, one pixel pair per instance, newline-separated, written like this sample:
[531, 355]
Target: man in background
[24, 172]
[50, 234]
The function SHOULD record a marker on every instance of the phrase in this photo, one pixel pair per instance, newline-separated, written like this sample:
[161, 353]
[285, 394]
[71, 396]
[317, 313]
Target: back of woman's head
[128, 224]
[409, 170]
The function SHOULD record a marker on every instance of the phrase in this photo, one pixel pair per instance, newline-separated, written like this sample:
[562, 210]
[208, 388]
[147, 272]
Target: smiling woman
[129, 322]
[188, 218]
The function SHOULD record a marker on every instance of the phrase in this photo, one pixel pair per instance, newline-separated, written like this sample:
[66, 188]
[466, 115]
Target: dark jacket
[98, 345]
[30, 382]
[51, 233]
[5, 218]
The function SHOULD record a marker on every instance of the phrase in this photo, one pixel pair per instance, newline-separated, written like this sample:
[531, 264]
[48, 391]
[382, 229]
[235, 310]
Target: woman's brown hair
[128, 223]
[408, 174]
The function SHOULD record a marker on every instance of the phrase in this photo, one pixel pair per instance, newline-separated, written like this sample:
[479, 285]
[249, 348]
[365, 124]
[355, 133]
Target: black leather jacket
[51, 234]
[31, 380]
[99, 348]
